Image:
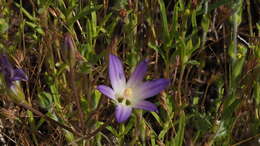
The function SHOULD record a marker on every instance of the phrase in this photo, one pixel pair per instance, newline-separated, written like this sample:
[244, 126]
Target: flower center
[126, 97]
[128, 93]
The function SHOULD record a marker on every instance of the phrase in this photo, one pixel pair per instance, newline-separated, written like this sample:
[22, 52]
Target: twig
[180, 83]
[48, 118]
[76, 97]
[246, 140]
[8, 138]
[90, 135]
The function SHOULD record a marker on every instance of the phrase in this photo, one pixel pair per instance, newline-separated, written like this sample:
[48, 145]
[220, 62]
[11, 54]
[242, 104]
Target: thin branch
[25, 106]
[90, 135]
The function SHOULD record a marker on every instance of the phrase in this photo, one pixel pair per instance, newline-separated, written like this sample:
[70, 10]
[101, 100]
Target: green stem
[180, 82]
[204, 35]
[249, 17]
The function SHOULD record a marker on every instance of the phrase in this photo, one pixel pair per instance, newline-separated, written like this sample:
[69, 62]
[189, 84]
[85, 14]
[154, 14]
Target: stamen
[128, 92]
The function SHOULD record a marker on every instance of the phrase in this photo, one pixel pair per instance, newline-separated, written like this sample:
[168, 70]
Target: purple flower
[9, 73]
[130, 94]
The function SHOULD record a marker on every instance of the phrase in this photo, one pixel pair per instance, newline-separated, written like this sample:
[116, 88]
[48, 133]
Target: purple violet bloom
[130, 94]
[9, 73]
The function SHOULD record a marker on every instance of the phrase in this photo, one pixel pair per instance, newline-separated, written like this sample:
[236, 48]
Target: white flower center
[126, 98]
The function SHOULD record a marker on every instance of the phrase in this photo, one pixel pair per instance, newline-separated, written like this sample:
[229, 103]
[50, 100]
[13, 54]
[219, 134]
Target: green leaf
[193, 19]
[229, 108]
[26, 13]
[156, 116]
[69, 136]
[97, 97]
[179, 138]
[82, 13]
[214, 6]
[3, 25]
[36, 27]
[175, 22]
[164, 20]
[205, 22]
[257, 93]
[45, 100]
[112, 130]
[166, 127]
[160, 51]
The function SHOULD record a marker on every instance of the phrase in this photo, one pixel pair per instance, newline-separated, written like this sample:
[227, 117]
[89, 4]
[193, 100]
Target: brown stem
[25, 106]
[180, 83]
[90, 135]
[76, 97]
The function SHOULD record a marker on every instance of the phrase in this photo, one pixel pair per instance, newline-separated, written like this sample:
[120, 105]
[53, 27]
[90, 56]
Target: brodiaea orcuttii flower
[130, 94]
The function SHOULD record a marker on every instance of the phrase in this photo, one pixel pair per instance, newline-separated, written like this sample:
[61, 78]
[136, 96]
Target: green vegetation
[208, 49]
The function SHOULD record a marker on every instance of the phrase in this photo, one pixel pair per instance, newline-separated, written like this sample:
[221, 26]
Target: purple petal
[138, 75]
[4, 61]
[8, 82]
[146, 105]
[151, 88]
[9, 72]
[106, 91]
[19, 75]
[116, 74]
[6, 65]
[122, 113]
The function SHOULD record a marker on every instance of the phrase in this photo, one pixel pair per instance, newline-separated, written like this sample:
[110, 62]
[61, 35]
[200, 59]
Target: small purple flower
[130, 94]
[9, 73]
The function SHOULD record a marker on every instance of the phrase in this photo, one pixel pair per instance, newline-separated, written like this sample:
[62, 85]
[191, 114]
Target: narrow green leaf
[27, 14]
[164, 19]
[214, 6]
[82, 13]
[178, 140]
